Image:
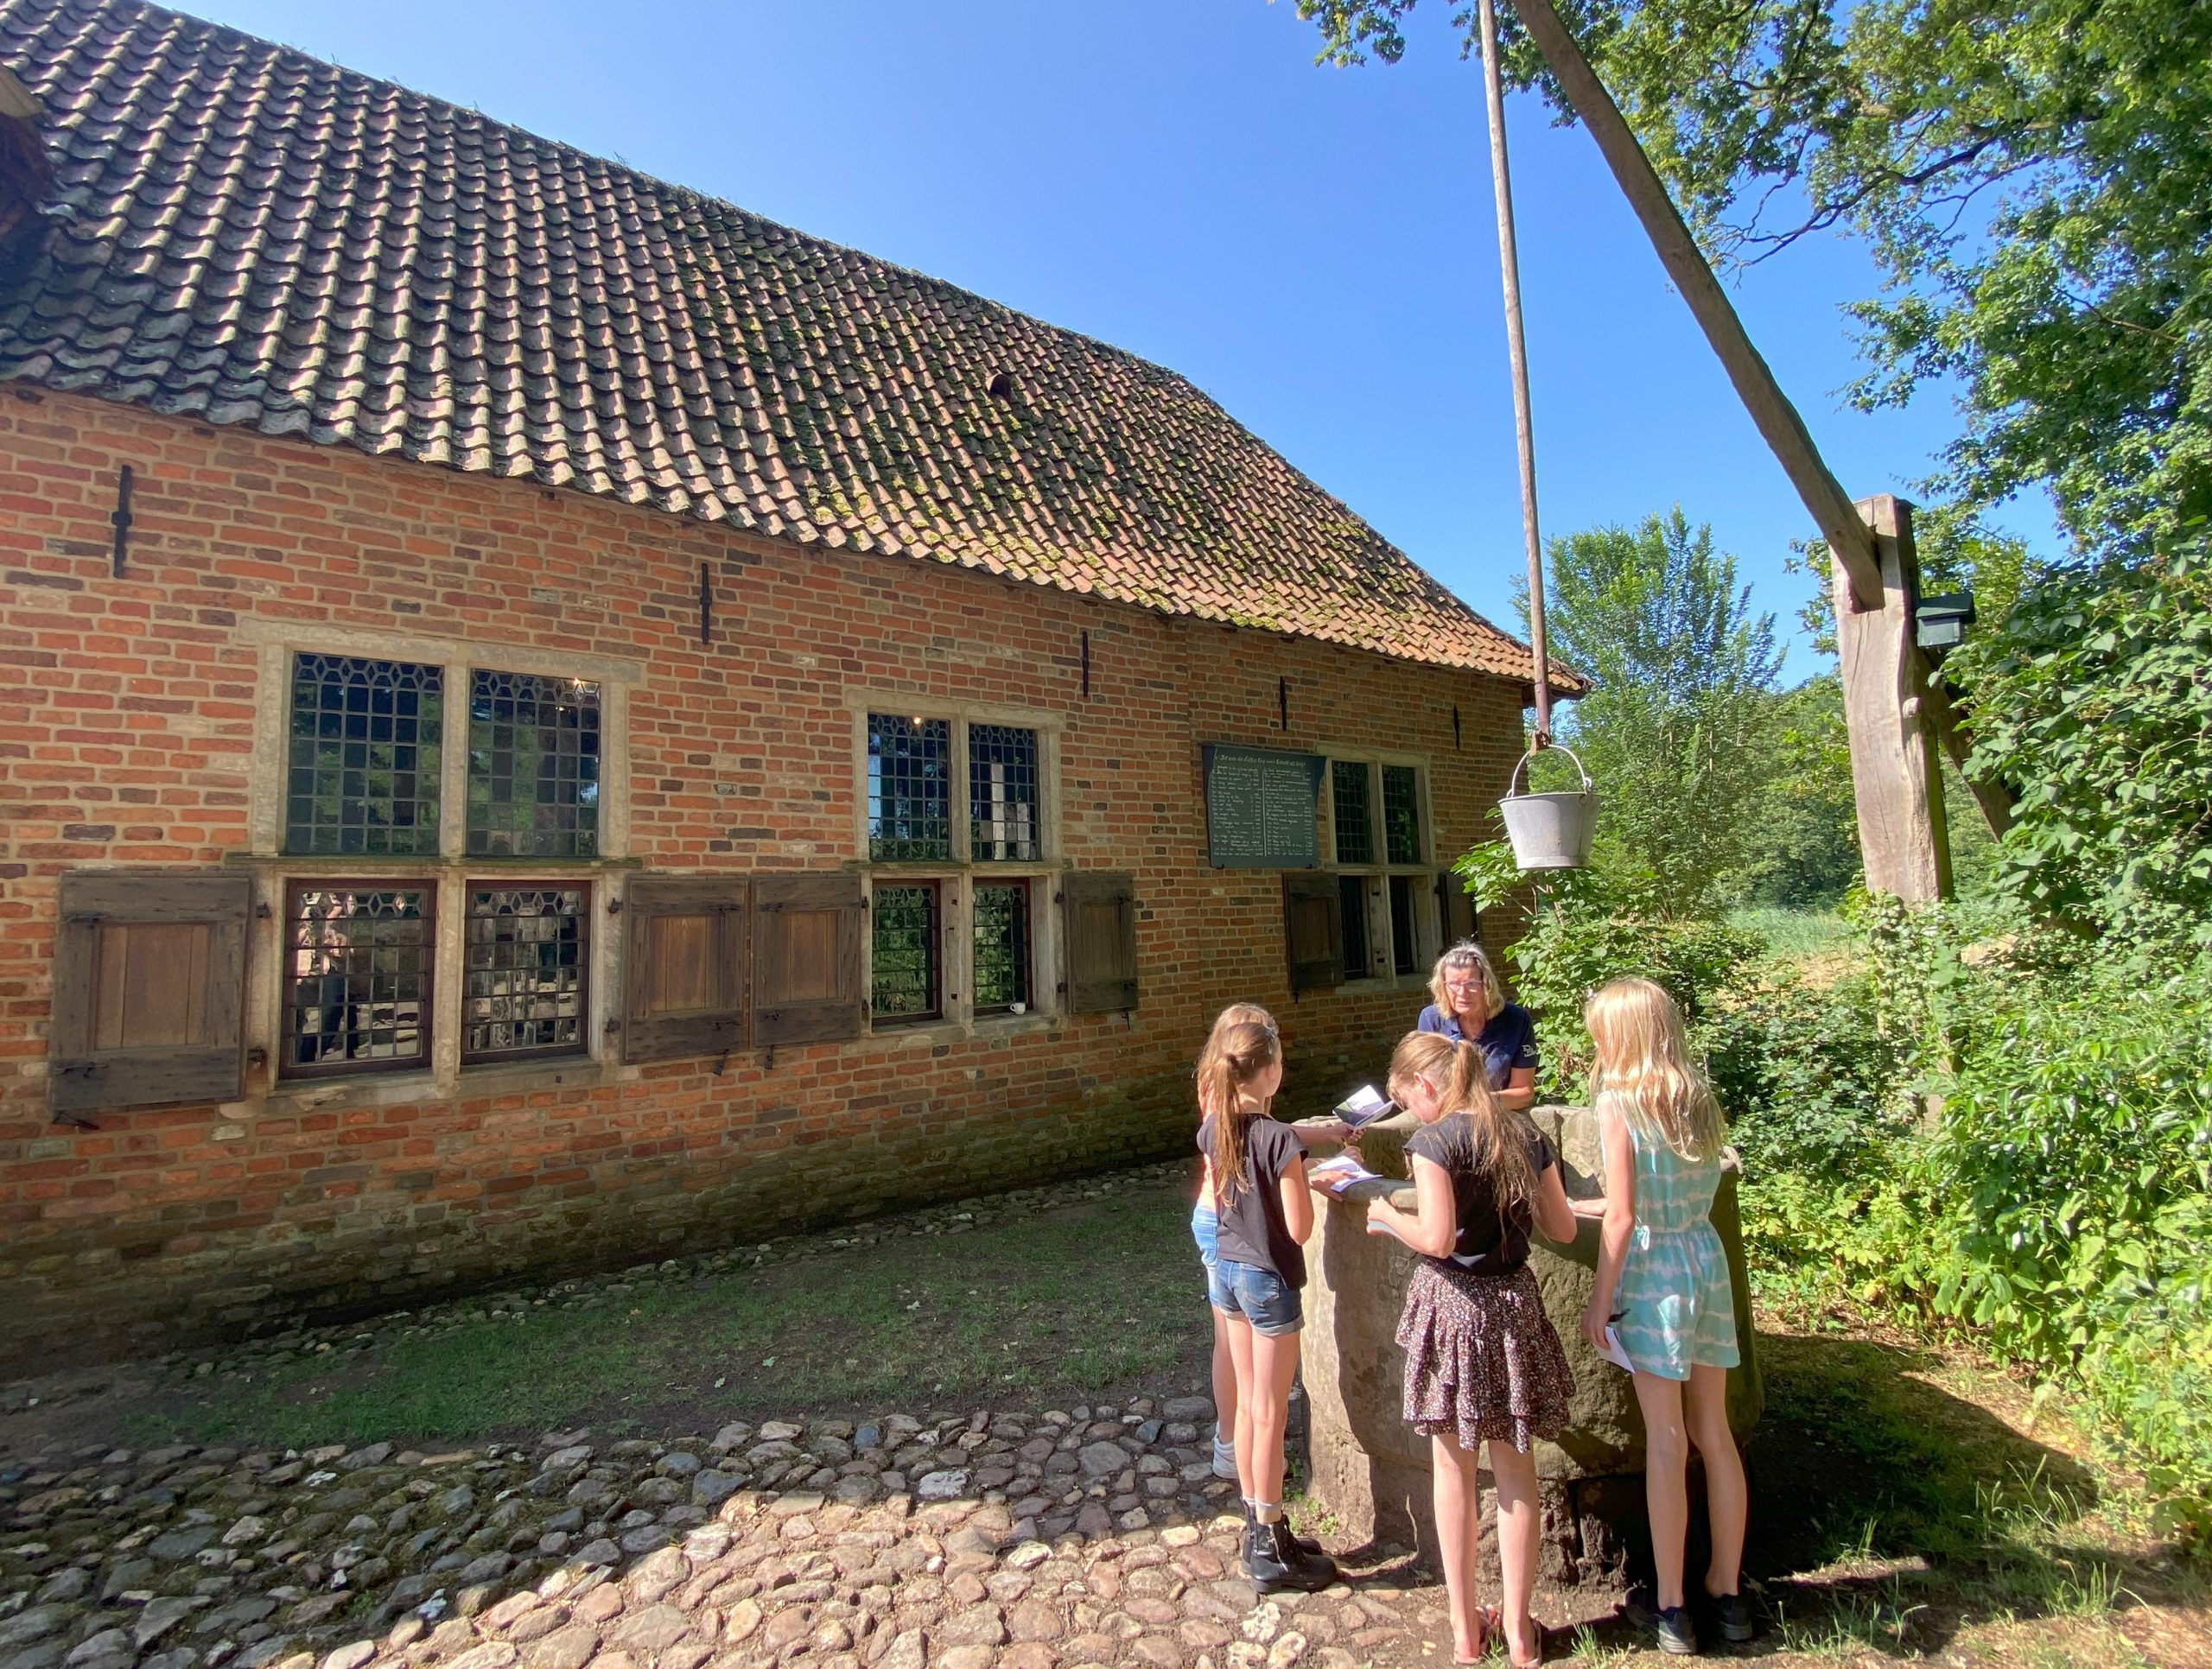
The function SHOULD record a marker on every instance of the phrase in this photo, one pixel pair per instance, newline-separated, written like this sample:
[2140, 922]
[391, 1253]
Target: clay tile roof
[243, 234]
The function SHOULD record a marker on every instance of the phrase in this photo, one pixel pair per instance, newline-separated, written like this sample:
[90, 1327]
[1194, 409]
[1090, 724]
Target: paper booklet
[1363, 1106]
[1338, 1173]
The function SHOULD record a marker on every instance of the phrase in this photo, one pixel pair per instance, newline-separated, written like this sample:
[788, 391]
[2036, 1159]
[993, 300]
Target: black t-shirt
[1492, 1241]
[1252, 1227]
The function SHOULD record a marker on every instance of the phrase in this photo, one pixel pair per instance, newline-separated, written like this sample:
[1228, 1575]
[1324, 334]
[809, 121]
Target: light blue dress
[1674, 1291]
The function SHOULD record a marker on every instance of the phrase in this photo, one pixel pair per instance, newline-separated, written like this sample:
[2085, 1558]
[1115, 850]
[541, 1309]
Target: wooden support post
[1895, 774]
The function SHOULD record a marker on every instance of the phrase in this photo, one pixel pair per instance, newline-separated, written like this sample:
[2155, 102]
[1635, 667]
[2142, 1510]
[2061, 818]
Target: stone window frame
[1429, 926]
[448, 873]
[955, 877]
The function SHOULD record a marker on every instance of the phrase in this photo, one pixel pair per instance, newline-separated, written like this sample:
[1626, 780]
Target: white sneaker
[1224, 1460]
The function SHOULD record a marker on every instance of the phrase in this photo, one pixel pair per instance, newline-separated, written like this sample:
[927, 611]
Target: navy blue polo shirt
[1508, 1042]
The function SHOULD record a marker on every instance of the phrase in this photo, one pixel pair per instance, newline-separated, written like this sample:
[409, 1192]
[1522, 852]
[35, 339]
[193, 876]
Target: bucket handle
[1513, 787]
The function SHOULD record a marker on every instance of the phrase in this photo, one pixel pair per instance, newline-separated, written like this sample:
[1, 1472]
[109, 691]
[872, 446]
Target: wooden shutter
[1101, 924]
[1313, 931]
[683, 968]
[809, 976]
[1455, 909]
[148, 990]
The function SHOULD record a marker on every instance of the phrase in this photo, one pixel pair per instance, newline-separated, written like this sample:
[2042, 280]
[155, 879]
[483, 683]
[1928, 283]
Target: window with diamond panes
[357, 984]
[1002, 947]
[1401, 814]
[1002, 794]
[1351, 789]
[523, 971]
[906, 983]
[533, 766]
[909, 788]
[361, 771]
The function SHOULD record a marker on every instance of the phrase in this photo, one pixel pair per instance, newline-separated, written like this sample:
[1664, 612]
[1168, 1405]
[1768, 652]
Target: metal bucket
[1549, 831]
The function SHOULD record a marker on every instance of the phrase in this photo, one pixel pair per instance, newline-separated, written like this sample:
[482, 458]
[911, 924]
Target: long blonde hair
[1462, 1077]
[1242, 1045]
[1643, 1057]
[1466, 954]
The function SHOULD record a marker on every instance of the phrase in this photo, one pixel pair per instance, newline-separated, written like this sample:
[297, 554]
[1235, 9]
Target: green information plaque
[1262, 806]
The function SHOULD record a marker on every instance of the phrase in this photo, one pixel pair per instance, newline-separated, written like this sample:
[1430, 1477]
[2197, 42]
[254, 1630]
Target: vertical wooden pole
[1895, 768]
[1524, 430]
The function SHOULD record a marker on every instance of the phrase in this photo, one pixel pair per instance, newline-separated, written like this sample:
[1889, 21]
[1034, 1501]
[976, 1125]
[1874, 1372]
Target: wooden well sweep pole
[1517, 344]
[1870, 543]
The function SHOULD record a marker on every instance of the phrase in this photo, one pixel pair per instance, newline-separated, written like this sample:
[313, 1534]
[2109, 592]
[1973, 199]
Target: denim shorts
[1260, 1296]
[1205, 1230]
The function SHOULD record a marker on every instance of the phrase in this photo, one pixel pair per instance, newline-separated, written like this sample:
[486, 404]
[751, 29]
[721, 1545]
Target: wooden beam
[1896, 781]
[1992, 796]
[1777, 419]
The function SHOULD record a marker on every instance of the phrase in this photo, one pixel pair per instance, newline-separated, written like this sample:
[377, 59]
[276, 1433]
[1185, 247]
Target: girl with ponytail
[1256, 1181]
[1483, 1361]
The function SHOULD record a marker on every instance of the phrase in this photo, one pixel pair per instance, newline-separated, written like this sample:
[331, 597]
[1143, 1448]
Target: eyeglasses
[1463, 982]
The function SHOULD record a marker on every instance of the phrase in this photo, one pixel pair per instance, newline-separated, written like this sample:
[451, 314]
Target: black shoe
[1732, 1617]
[1305, 1544]
[1275, 1561]
[1677, 1637]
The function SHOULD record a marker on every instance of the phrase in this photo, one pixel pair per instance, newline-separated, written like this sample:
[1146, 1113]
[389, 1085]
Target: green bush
[1983, 1124]
[1588, 929]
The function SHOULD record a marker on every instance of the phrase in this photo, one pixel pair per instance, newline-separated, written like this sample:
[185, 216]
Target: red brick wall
[127, 736]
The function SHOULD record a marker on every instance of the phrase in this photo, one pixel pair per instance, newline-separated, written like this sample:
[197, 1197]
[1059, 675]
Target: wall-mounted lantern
[1940, 624]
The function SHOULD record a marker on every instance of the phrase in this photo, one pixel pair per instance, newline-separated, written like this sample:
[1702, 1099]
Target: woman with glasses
[1470, 1007]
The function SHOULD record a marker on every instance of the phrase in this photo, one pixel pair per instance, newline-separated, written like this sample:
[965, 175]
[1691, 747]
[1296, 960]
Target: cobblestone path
[1090, 1536]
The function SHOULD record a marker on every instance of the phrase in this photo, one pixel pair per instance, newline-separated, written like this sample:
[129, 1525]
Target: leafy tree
[1677, 730]
[1806, 855]
[2034, 178]
[2096, 704]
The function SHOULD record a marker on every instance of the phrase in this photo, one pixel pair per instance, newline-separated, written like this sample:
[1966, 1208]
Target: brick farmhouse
[547, 720]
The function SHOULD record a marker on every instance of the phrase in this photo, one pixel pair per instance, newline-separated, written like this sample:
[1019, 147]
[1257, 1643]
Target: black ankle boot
[1275, 1561]
[1305, 1544]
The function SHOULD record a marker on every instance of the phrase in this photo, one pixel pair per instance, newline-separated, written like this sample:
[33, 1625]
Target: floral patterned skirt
[1482, 1361]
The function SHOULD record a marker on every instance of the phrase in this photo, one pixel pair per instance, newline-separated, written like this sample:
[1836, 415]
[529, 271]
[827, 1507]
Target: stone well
[1371, 1469]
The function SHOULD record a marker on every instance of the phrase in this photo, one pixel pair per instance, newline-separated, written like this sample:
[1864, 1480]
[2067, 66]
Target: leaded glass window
[1002, 947]
[1002, 793]
[904, 925]
[533, 766]
[362, 767]
[909, 788]
[1351, 790]
[526, 970]
[357, 987]
[1401, 814]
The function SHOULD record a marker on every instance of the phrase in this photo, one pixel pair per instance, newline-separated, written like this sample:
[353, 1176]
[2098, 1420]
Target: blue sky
[1314, 248]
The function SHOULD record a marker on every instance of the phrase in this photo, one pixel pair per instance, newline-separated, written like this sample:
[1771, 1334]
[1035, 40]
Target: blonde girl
[1205, 1230]
[1662, 1284]
[1483, 1361]
[1256, 1178]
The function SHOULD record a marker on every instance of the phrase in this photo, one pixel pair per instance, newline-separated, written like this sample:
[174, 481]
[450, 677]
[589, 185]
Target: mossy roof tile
[242, 231]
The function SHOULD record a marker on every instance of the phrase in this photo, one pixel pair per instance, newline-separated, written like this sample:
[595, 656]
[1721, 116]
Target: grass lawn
[1072, 1304]
[1792, 933]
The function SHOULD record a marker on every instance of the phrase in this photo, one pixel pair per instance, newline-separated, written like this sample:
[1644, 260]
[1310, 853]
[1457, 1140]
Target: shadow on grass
[1073, 1304]
[1888, 1513]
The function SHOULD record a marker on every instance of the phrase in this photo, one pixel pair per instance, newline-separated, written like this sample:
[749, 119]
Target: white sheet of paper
[1613, 1353]
[1338, 1173]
